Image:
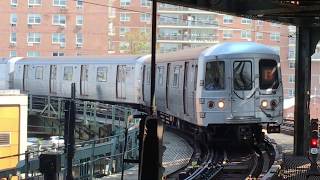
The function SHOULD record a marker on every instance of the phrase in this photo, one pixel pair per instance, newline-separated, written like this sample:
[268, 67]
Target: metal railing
[94, 157]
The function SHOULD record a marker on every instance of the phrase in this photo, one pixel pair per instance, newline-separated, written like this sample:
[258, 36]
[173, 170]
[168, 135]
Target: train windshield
[268, 74]
[242, 75]
[214, 79]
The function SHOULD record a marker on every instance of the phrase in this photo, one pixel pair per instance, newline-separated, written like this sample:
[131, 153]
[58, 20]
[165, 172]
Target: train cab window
[68, 73]
[160, 75]
[176, 74]
[102, 74]
[268, 71]
[242, 75]
[214, 79]
[39, 73]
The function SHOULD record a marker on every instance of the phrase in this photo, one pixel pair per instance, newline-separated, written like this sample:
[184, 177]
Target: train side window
[102, 74]
[215, 74]
[242, 75]
[68, 73]
[176, 74]
[268, 71]
[39, 73]
[160, 75]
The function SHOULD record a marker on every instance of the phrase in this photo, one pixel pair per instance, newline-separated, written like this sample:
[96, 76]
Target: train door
[53, 79]
[242, 99]
[167, 85]
[143, 83]
[25, 77]
[121, 81]
[84, 80]
[186, 89]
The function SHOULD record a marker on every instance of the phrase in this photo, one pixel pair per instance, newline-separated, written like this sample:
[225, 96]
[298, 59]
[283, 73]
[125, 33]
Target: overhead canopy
[298, 12]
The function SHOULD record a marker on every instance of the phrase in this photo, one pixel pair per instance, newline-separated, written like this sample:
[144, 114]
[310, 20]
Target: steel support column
[307, 39]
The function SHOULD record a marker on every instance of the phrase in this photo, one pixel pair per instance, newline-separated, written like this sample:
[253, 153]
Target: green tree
[139, 42]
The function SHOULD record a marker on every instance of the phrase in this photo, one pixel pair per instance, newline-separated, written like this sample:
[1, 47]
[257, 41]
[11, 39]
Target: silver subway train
[229, 87]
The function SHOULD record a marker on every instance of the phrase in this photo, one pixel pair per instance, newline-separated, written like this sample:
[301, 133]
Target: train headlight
[210, 104]
[264, 104]
[201, 100]
[273, 104]
[221, 104]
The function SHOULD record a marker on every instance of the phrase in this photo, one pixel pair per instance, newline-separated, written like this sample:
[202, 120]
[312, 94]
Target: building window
[33, 53]
[102, 74]
[34, 18]
[124, 16]
[5, 139]
[176, 73]
[68, 73]
[246, 21]
[79, 3]
[13, 37]
[79, 20]
[34, 2]
[34, 37]
[145, 17]
[79, 39]
[13, 19]
[227, 19]
[292, 64]
[14, 3]
[275, 36]
[145, 30]
[58, 38]
[39, 73]
[259, 36]
[291, 92]
[58, 54]
[145, 3]
[292, 52]
[58, 19]
[59, 2]
[291, 79]
[227, 34]
[259, 23]
[13, 54]
[245, 34]
[124, 45]
[275, 24]
[125, 2]
[124, 31]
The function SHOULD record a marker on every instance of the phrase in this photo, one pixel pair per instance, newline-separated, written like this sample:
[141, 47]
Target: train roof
[80, 59]
[227, 48]
[230, 48]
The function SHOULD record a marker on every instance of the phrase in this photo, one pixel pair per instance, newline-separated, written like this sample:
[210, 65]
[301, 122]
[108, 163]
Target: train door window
[176, 74]
[242, 75]
[68, 73]
[102, 74]
[148, 76]
[84, 72]
[160, 75]
[39, 73]
[268, 71]
[215, 75]
[53, 74]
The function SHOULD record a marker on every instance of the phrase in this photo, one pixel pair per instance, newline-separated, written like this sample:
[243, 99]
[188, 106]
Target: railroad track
[231, 162]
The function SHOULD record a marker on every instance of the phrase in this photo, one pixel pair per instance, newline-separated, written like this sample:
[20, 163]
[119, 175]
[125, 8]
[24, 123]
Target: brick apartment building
[73, 28]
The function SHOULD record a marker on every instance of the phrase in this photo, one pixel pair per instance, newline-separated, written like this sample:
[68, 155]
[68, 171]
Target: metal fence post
[26, 160]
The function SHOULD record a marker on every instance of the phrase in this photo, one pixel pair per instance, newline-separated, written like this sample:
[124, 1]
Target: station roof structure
[296, 12]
